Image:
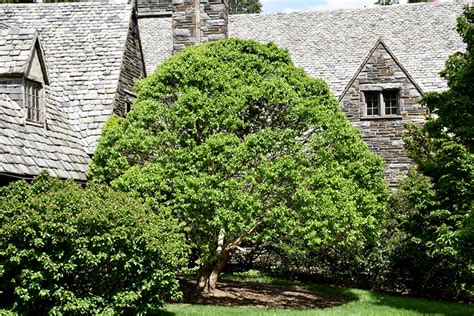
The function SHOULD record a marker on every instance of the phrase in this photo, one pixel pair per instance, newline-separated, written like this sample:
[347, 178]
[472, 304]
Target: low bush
[65, 249]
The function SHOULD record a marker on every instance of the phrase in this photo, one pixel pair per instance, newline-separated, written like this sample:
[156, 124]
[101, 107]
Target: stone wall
[13, 87]
[384, 134]
[132, 69]
[154, 8]
[199, 21]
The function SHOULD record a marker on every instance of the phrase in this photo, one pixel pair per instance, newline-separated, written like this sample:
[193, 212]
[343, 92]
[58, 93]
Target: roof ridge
[81, 3]
[366, 8]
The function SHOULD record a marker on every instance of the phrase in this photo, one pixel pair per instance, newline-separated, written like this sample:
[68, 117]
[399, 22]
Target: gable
[380, 99]
[84, 46]
[36, 68]
[381, 67]
[133, 69]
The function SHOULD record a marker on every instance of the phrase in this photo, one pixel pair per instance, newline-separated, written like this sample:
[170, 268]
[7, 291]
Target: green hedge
[65, 249]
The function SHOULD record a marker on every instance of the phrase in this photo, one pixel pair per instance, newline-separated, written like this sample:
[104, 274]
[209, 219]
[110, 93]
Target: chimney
[199, 21]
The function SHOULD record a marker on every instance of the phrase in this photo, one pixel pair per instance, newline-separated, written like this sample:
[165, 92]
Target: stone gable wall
[384, 134]
[133, 69]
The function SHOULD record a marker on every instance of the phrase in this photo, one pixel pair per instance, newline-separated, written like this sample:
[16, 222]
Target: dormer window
[34, 101]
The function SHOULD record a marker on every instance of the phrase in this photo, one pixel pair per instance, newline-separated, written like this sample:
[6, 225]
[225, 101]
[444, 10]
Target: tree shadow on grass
[254, 294]
[423, 306]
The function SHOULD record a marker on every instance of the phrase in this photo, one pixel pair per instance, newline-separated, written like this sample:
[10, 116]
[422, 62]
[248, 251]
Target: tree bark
[209, 274]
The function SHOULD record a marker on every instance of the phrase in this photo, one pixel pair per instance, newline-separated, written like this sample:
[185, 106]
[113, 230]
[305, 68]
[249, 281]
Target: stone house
[64, 69]
[378, 62]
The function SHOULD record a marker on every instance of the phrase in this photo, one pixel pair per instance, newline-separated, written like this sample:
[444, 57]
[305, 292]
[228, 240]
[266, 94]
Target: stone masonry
[132, 69]
[155, 8]
[384, 133]
[198, 21]
[13, 88]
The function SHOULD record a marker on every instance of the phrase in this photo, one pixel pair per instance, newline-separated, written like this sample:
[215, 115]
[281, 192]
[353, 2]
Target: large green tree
[241, 145]
[437, 217]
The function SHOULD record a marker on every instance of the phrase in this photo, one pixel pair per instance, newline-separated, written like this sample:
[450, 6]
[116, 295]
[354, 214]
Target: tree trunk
[209, 273]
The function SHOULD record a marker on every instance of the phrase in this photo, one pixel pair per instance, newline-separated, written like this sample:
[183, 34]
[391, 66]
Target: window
[382, 102]
[33, 101]
[390, 98]
[372, 99]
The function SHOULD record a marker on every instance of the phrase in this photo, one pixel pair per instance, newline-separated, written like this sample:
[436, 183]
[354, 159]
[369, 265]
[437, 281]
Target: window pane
[32, 101]
[372, 100]
[391, 102]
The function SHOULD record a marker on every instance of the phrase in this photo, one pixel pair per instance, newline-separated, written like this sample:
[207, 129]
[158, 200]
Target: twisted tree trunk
[209, 274]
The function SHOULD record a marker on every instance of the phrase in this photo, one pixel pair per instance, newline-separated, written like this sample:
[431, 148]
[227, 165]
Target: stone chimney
[199, 21]
[154, 8]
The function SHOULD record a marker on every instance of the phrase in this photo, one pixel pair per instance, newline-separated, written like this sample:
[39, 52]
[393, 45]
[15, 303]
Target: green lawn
[362, 303]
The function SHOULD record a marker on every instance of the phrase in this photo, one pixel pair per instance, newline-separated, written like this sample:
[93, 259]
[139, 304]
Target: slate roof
[157, 41]
[333, 44]
[16, 45]
[28, 149]
[83, 47]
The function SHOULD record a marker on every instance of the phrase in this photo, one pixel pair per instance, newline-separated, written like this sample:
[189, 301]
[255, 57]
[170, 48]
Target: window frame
[385, 109]
[33, 101]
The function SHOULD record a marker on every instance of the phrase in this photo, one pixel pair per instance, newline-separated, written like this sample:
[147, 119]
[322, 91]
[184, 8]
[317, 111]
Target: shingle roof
[157, 41]
[83, 47]
[28, 149]
[16, 45]
[333, 44]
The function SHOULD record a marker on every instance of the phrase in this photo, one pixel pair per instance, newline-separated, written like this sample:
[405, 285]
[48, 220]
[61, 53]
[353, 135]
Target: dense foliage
[248, 6]
[64, 249]
[433, 247]
[244, 147]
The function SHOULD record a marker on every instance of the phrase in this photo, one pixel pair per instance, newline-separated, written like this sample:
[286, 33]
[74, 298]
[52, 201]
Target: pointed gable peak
[378, 47]
[35, 68]
[23, 53]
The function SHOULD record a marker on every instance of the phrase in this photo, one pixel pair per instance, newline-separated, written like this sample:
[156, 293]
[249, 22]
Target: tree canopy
[241, 145]
[437, 217]
[248, 6]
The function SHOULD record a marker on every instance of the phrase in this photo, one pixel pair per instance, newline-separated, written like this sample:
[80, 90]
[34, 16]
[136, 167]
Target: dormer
[23, 73]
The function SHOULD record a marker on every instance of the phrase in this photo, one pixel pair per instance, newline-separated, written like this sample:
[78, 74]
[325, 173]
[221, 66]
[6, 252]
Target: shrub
[65, 249]
[433, 249]
[425, 250]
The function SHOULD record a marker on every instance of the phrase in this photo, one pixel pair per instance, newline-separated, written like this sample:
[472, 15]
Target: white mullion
[382, 104]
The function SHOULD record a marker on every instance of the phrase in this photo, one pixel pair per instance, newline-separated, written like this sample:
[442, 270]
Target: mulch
[254, 294]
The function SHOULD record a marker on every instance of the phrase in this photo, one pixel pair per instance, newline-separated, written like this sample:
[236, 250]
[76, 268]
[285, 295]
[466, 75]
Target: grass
[361, 303]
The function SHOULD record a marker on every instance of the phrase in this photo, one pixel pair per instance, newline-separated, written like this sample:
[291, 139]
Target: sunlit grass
[361, 303]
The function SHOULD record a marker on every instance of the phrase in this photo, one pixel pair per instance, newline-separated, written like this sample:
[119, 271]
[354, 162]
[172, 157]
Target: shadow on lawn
[255, 294]
[423, 306]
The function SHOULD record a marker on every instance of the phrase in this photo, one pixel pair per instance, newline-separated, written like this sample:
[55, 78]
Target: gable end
[379, 44]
